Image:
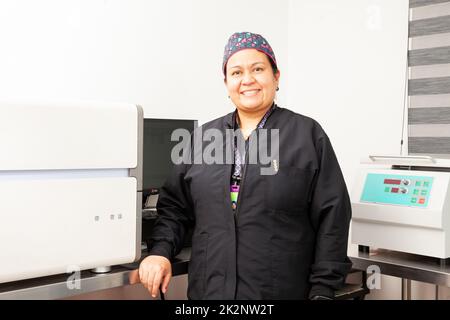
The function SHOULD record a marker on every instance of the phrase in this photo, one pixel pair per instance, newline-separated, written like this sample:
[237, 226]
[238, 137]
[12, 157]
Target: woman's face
[250, 80]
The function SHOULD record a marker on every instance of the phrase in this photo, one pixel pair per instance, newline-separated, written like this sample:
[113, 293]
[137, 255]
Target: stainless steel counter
[405, 266]
[61, 286]
[402, 265]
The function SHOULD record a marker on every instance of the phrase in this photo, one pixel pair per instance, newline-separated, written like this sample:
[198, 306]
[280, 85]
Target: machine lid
[393, 160]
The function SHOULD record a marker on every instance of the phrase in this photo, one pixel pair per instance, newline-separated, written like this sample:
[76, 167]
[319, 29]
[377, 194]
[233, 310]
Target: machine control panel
[413, 191]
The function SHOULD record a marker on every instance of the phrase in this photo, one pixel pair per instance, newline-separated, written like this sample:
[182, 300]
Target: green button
[416, 192]
[423, 193]
[413, 200]
[387, 189]
[417, 183]
[426, 184]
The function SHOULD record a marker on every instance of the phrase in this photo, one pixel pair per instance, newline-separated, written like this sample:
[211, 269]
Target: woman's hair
[274, 66]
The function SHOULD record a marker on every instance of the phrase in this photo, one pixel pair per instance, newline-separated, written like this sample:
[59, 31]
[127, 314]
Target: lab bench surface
[408, 267]
[403, 265]
[397, 264]
[63, 285]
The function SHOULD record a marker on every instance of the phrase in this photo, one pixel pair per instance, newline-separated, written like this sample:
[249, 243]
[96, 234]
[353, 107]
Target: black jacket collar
[230, 119]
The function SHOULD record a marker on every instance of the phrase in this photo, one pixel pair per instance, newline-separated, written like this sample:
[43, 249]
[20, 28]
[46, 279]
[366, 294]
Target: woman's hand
[155, 271]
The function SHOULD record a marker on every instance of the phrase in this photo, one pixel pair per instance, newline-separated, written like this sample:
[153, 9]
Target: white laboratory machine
[70, 187]
[403, 204]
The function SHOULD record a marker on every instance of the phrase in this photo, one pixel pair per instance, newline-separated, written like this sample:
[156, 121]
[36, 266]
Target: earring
[278, 88]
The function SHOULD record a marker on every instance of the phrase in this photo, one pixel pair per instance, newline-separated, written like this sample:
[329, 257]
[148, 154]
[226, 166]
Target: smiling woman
[251, 77]
[277, 236]
[251, 84]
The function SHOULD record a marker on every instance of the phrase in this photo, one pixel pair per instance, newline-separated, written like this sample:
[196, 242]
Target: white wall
[347, 70]
[164, 55]
[347, 64]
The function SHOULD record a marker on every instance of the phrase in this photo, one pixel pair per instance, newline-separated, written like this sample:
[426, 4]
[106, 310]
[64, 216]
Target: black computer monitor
[157, 150]
[158, 165]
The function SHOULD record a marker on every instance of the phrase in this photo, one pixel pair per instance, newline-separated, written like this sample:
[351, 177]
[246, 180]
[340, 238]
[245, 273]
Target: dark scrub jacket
[288, 237]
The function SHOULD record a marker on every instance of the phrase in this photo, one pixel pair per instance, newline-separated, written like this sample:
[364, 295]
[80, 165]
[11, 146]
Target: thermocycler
[403, 204]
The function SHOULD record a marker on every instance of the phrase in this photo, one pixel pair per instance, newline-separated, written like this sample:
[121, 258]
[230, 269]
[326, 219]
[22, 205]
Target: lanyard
[237, 155]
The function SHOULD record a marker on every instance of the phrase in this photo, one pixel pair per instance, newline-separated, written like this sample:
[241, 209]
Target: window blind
[429, 78]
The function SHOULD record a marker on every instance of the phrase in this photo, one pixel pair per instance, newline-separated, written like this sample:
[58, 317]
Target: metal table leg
[406, 289]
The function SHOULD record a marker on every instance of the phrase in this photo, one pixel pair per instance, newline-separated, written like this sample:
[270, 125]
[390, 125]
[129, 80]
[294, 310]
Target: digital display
[392, 181]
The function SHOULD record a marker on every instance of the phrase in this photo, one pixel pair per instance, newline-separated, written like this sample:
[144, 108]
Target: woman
[275, 236]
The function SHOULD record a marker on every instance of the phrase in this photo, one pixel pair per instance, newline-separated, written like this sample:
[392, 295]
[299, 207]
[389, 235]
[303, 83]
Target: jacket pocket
[197, 267]
[290, 274]
[288, 190]
[292, 244]
[290, 232]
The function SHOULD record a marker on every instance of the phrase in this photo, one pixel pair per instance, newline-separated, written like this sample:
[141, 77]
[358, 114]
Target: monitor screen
[157, 150]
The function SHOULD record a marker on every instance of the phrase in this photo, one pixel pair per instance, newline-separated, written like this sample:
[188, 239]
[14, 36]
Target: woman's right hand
[155, 271]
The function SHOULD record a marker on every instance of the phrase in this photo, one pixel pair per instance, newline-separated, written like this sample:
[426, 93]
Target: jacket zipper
[238, 206]
[241, 187]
